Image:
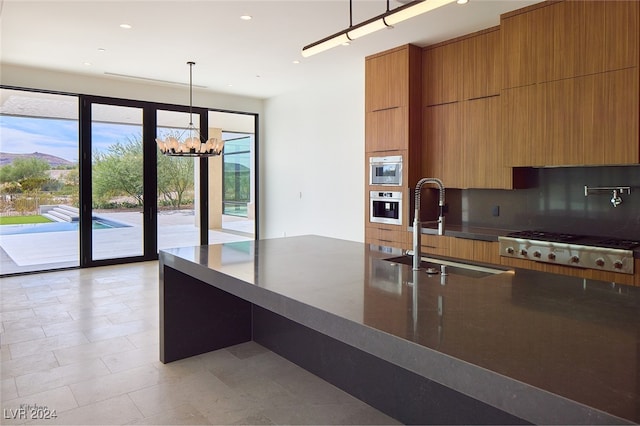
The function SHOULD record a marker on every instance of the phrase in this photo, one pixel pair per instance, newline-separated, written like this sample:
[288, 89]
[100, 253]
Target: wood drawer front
[574, 272]
[434, 244]
[388, 236]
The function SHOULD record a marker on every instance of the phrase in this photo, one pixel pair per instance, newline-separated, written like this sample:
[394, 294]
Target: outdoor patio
[50, 250]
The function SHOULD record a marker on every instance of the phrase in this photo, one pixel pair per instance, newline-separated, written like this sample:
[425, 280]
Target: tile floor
[85, 344]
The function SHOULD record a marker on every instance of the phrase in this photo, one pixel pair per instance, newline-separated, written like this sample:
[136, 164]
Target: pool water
[34, 228]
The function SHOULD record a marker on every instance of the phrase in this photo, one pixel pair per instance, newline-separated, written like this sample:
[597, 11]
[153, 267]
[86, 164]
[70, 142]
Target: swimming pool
[34, 228]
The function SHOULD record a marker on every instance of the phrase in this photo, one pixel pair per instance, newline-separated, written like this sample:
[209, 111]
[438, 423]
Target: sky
[25, 135]
[59, 137]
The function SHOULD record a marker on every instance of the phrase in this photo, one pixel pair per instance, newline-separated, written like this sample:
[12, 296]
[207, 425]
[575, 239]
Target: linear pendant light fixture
[386, 20]
[193, 145]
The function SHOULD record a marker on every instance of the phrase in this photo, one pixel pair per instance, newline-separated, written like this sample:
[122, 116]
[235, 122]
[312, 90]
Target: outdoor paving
[50, 250]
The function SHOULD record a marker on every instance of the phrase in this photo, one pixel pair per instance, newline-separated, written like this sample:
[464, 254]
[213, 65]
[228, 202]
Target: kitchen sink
[429, 264]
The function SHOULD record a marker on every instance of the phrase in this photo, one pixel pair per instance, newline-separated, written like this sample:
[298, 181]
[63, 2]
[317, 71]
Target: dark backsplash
[555, 202]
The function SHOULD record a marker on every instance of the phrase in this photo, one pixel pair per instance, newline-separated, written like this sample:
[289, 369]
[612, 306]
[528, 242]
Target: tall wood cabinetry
[393, 127]
[461, 112]
[570, 84]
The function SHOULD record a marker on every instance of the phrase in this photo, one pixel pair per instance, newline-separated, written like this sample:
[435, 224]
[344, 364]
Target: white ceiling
[250, 58]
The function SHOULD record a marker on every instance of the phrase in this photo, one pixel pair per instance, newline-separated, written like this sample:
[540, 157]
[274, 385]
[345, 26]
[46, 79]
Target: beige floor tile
[42, 361]
[99, 362]
[122, 361]
[24, 335]
[112, 385]
[97, 311]
[198, 389]
[53, 313]
[5, 354]
[182, 415]
[115, 411]
[310, 387]
[83, 295]
[16, 315]
[137, 313]
[24, 324]
[64, 327]
[11, 283]
[91, 350]
[15, 300]
[145, 338]
[9, 389]
[33, 347]
[119, 330]
[56, 401]
[42, 381]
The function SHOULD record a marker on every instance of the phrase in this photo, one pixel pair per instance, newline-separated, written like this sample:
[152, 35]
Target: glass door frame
[150, 178]
[149, 173]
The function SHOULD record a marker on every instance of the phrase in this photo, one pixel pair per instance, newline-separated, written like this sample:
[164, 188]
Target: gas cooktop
[586, 240]
[582, 251]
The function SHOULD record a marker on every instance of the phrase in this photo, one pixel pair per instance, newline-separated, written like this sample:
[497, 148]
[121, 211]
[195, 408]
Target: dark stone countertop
[547, 348]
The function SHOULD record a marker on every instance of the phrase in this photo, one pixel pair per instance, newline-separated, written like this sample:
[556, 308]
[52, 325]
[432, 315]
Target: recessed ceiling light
[246, 17]
[87, 64]
[126, 26]
[229, 85]
[296, 61]
[102, 49]
[462, 1]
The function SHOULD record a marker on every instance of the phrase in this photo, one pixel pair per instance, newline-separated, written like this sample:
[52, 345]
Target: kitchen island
[512, 347]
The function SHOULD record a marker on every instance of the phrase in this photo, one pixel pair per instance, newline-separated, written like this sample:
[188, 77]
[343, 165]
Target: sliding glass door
[84, 184]
[39, 181]
[177, 215]
[117, 182]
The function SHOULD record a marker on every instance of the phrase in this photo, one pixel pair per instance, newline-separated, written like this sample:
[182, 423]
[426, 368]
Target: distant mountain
[7, 158]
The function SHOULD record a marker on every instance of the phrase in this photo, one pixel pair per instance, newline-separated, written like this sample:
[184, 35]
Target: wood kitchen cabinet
[475, 250]
[393, 126]
[462, 144]
[434, 244]
[484, 162]
[442, 73]
[467, 67]
[461, 119]
[392, 104]
[557, 40]
[388, 235]
[482, 64]
[442, 142]
[390, 77]
[589, 120]
[387, 129]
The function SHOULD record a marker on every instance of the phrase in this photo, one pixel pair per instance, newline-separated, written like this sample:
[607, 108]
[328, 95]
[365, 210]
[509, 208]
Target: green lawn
[19, 220]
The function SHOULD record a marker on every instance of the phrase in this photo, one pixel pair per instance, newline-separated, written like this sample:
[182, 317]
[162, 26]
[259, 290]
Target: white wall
[35, 78]
[311, 144]
[312, 175]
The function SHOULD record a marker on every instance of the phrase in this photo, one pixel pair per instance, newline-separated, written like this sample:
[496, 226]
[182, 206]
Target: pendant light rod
[350, 13]
[191, 64]
[189, 143]
[385, 20]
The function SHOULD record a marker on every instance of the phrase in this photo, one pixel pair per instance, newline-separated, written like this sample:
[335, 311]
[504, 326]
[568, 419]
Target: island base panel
[397, 392]
[196, 317]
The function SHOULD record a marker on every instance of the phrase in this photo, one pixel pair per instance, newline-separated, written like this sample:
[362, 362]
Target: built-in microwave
[385, 170]
[385, 207]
